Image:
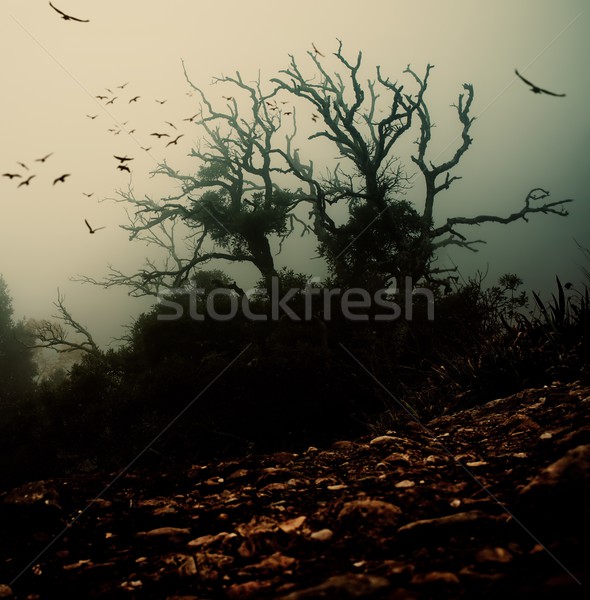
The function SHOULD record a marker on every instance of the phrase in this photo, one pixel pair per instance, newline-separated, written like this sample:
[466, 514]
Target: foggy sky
[52, 70]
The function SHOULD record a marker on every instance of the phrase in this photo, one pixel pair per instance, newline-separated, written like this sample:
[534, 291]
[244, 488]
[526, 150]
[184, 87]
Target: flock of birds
[27, 181]
[24, 178]
[27, 177]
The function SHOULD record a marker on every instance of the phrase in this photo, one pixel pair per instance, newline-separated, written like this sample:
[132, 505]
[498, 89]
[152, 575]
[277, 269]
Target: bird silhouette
[171, 124]
[159, 135]
[160, 101]
[317, 51]
[61, 178]
[121, 87]
[146, 149]
[112, 100]
[26, 181]
[101, 97]
[88, 195]
[228, 98]
[68, 17]
[135, 99]
[23, 165]
[174, 141]
[314, 117]
[191, 118]
[90, 228]
[122, 158]
[44, 158]
[11, 175]
[92, 116]
[536, 89]
[124, 167]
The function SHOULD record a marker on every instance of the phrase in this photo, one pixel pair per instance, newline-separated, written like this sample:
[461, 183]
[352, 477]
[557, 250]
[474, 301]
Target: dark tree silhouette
[54, 334]
[384, 237]
[235, 206]
[17, 367]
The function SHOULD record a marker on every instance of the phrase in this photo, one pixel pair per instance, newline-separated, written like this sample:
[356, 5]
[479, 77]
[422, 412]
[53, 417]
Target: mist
[54, 69]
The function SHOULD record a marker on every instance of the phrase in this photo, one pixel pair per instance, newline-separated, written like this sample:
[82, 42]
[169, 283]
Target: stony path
[486, 503]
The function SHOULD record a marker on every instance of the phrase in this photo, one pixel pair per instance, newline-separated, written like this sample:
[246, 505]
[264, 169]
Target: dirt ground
[489, 502]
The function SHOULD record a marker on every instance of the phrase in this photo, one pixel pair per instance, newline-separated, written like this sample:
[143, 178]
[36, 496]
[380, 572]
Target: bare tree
[384, 236]
[236, 204]
[365, 141]
[231, 209]
[54, 335]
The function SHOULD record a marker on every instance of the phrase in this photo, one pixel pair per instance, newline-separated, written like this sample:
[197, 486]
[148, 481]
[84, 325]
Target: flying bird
[124, 167]
[171, 124]
[26, 181]
[159, 135]
[88, 195]
[146, 149]
[61, 178]
[68, 17]
[11, 175]
[191, 118]
[101, 97]
[317, 51]
[122, 86]
[228, 98]
[90, 228]
[122, 158]
[23, 165]
[112, 100]
[44, 158]
[536, 89]
[92, 116]
[135, 99]
[175, 140]
[160, 101]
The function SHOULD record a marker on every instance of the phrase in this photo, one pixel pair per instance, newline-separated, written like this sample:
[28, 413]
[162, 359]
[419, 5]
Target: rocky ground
[489, 502]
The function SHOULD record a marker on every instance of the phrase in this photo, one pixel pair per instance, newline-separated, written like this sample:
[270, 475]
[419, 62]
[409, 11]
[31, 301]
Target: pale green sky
[52, 69]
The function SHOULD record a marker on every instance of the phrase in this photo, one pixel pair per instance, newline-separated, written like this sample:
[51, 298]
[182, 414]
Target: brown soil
[489, 502]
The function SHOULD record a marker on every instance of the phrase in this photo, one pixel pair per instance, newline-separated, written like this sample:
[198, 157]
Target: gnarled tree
[235, 206]
[384, 236]
[232, 208]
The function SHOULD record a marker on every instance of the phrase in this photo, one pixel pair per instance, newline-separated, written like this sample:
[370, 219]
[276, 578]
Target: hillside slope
[486, 502]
